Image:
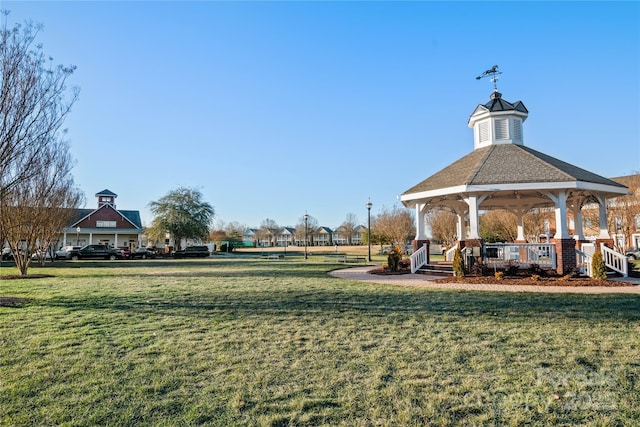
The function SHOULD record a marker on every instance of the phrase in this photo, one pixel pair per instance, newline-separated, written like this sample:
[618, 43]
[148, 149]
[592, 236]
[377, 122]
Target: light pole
[369, 204]
[306, 220]
[78, 236]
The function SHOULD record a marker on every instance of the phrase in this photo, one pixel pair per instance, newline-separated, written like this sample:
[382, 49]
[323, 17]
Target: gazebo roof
[507, 164]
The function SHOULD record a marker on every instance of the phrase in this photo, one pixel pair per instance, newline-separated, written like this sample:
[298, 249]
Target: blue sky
[272, 109]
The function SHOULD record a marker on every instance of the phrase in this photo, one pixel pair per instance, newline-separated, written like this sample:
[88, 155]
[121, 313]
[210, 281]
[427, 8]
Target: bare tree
[268, 231]
[534, 223]
[443, 225]
[34, 102]
[395, 225]
[498, 226]
[235, 231]
[624, 211]
[301, 232]
[59, 207]
[36, 187]
[348, 227]
[34, 212]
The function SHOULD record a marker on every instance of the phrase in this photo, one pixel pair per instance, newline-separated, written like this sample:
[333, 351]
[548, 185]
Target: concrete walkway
[423, 281]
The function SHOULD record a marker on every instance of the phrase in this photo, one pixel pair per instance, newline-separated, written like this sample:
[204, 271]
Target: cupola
[498, 122]
[106, 197]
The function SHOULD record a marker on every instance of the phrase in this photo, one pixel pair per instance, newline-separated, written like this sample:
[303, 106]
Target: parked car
[38, 254]
[192, 252]
[144, 253]
[633, 254]
[126, 252]
[6, 254]
[94, 252]
[62, 253]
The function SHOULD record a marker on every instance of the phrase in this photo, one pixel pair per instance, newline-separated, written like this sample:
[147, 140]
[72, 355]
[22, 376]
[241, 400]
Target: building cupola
[106, 197]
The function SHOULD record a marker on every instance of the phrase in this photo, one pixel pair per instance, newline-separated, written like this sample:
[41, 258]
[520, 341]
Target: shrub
[394, 257]
[458, 263]
[499, 275]
[535, 277]
[512, 269]
[598, 269]
[479, 269]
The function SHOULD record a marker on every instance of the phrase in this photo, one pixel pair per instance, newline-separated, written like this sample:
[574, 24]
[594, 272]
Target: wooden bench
[335, 257]
[344, 258]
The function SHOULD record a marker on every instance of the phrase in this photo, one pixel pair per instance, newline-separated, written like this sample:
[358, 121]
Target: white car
[36, 255]
[62, 253]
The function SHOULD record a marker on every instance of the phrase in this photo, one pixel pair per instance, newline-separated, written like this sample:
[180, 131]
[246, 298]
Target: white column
[460, 228]
[578, 232]
[560, 200]
[420, 222]
[604, 229]
[520, 214]
[64, 239]
[91, 238]
[115, 241]
[473, 201]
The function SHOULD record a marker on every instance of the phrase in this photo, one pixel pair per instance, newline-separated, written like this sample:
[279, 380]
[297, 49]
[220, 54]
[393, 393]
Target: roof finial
[494, 73]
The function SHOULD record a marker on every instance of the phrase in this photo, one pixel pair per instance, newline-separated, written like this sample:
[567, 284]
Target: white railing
[584, 262]
[522, 254]
[448, 256]
[615, 260]
[418, 258]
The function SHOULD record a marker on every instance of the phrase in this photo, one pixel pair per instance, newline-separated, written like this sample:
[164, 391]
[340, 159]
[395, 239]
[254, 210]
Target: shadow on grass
[380, 302]
[202, 267]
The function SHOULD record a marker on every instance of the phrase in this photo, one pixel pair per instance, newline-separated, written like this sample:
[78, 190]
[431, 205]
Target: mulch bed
[515, 280]
[528, 281]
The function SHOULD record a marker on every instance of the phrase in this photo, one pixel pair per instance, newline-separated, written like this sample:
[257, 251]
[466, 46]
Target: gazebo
[502, 173]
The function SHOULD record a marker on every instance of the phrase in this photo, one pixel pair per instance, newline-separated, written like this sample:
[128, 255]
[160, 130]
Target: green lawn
[251, 342]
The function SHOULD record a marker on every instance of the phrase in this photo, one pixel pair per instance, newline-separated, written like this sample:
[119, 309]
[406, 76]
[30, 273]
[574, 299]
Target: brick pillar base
[607, 242]
[565, 255]
[473, 243]
[417, 244]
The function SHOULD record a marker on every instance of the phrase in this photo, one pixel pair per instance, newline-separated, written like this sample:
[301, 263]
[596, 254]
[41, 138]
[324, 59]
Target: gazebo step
[439, 269]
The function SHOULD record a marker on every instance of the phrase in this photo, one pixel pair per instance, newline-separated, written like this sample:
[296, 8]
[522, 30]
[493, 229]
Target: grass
[243, 341]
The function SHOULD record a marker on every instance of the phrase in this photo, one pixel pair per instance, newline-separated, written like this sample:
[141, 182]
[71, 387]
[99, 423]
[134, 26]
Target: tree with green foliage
[598, 268]
[183, 213]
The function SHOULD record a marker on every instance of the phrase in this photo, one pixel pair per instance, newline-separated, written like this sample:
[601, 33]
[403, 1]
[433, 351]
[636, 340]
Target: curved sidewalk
[424, 281]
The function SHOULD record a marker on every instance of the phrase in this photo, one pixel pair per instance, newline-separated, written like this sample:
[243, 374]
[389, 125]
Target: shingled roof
[507, 164]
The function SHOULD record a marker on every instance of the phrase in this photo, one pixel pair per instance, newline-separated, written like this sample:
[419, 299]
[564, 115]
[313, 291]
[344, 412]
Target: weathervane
[494, 73]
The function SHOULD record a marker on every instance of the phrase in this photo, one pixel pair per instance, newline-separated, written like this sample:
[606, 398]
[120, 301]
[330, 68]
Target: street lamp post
[78, 236]
[369, 204]
[306, 221]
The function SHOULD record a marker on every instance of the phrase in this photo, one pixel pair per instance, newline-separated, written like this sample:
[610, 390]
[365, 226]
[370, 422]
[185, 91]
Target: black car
[144, 253]
[94, 252]
[192, 252]
[633, 254]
